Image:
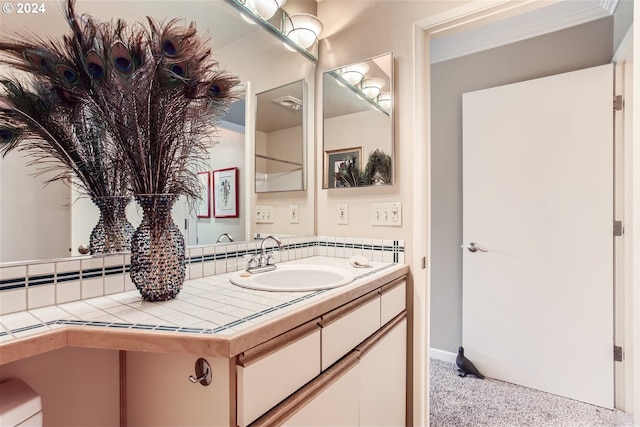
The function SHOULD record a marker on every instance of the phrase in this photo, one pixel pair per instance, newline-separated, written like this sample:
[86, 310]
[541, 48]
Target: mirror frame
[304, 141]
[357, 92]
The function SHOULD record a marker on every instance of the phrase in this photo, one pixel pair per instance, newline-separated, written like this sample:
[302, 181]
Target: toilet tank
[20, 405]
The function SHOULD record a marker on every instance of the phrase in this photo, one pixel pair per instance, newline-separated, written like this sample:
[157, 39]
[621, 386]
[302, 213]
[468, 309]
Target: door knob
[474, 247]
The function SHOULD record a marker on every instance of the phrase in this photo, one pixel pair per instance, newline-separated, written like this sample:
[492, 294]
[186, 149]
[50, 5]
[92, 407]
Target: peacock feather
[112, 103]
[378, 170]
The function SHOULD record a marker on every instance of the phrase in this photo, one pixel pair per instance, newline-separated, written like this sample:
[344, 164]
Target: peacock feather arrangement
[123, 110]
[376, 172]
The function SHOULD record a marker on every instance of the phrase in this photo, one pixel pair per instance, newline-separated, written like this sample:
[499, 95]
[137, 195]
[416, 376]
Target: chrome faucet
[227, 235]
[264, 261]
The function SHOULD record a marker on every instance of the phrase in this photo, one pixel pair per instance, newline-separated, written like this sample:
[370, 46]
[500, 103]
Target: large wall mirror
[280, 145]
[38, 222]
[357, 109]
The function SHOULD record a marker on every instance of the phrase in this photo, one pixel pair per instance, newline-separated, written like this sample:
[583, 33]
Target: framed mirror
[280, 143]
[357, 111]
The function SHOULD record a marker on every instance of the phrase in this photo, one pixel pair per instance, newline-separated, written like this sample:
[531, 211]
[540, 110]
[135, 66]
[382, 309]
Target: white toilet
[20, 405]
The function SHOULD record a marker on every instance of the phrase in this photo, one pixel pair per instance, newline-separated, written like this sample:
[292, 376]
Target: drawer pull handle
[203, 373]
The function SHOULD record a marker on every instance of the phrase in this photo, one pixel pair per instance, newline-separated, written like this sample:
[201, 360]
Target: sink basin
[294, 278]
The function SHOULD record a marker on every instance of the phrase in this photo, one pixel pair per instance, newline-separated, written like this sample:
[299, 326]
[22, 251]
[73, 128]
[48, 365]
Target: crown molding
[557, 16]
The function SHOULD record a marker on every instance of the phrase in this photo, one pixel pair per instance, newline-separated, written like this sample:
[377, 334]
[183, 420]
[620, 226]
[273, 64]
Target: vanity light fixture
[354, 74]
[371, 87]
[303, 29]
[297, 33]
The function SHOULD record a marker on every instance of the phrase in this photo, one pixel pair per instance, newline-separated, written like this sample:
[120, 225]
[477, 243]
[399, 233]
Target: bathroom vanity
[328, 357]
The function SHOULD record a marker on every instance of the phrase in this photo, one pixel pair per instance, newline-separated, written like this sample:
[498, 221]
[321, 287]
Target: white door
[538, 197]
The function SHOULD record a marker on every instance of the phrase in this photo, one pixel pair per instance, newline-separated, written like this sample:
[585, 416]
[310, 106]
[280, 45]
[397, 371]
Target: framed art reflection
[225, 193]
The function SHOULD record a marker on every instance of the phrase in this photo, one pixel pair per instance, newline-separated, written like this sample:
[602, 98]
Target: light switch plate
[386, 214]
[264, 214]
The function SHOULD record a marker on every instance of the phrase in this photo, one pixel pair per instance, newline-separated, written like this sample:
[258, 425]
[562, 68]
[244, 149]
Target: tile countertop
[211, 316]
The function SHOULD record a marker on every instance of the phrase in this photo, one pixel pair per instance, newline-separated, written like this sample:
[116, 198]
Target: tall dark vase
[157, 250]
[113, 232]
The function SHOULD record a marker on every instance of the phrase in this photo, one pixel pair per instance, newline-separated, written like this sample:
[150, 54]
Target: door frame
[459, 19]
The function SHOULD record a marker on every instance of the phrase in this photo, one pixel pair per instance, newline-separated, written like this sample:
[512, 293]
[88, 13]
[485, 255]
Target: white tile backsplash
[67, 291]
[13, 272]
[92, 288]
[114, 284]
[41, 296]
[13, 300]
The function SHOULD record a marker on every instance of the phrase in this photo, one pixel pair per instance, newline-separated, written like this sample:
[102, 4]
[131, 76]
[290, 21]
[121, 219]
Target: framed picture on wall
[225, 193]
[203, 208]
[335, 160]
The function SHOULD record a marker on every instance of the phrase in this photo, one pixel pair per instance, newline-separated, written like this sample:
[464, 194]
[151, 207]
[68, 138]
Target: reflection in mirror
[357, 102]
[39, 222]
[206, 225]
[279, 141]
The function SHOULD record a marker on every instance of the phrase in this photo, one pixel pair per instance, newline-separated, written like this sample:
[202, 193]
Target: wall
[78, 386]
[579, 47]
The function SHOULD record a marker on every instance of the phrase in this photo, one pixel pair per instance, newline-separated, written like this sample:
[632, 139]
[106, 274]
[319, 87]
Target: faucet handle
[271, 257]
[252, 261]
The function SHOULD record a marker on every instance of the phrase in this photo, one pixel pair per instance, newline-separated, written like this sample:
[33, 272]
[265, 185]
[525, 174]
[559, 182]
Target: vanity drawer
[347, 326]
[272, 371]
[393, 300]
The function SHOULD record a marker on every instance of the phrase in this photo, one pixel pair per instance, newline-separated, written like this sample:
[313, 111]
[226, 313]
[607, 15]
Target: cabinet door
[347, 326]
[272, 371]
[384, 379]
[159, 391]
[336, 405]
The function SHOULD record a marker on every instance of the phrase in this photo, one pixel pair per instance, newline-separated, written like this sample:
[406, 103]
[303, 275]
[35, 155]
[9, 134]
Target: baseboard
[446, 356]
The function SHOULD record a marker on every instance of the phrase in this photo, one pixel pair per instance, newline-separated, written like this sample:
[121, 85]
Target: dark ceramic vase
[157, 250]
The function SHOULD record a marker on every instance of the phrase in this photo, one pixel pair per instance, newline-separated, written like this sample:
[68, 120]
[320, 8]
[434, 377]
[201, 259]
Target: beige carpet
[469, 401]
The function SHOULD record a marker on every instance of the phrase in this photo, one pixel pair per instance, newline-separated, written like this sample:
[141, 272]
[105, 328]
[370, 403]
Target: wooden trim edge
[33, 345]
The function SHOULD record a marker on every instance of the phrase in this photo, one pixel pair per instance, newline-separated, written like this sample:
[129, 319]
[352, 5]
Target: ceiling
[554, 17]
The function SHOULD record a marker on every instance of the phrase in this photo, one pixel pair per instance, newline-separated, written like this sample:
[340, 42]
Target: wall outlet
[264, 214]
[343, 213]
[386, 214]
[293, 214]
